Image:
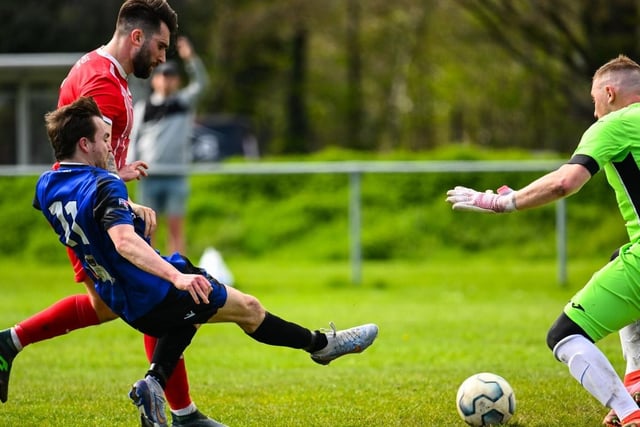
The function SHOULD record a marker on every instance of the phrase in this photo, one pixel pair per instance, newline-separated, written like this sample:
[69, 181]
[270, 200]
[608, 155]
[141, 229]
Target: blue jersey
[82, 202]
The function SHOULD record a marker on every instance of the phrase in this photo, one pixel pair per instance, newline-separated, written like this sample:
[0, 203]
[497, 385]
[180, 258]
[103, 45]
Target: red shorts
[79, 274]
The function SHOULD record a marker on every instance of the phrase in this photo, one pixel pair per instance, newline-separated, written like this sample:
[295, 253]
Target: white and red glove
[467, 199]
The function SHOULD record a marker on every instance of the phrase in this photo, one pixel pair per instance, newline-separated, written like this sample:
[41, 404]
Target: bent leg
[247, 312]
[66, 315]
[611, 299]
[168, 352]
[101, 309]
[242, 309]
[594, 372]
[607, 303]
[177, 388]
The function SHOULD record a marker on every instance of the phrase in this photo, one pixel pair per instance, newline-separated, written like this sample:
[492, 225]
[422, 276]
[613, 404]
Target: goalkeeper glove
[467, 199]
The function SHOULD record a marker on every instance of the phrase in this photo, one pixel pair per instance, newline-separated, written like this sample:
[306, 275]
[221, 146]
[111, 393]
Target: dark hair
[66, 125]
[147, 15]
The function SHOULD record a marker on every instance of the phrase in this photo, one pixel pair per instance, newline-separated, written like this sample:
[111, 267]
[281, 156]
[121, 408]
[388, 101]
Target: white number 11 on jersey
[71, 210]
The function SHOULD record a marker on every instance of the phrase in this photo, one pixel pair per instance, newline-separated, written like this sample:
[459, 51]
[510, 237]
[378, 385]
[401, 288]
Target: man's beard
[142, 63]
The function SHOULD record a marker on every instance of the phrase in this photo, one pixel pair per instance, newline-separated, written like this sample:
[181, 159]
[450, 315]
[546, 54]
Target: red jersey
[100, 75]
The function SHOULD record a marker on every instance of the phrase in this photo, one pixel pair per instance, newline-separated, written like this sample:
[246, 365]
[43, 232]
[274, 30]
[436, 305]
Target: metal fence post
[561, 240]
[355, 227]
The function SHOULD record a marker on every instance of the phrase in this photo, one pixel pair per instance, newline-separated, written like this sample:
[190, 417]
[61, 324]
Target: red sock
[633, 417]
[177, 388]
[631, 378]
[73, 312]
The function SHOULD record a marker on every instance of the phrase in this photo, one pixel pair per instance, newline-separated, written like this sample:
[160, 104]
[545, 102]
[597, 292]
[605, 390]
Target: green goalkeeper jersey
[613, 144]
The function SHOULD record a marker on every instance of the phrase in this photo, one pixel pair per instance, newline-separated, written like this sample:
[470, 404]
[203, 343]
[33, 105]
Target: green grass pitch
[440, 321]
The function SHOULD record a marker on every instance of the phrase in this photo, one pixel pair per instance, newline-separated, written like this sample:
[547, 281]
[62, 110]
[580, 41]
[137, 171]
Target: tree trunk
[298, 133]
[354, 77]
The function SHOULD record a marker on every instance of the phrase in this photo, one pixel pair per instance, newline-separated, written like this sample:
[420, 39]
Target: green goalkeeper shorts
[611, 298]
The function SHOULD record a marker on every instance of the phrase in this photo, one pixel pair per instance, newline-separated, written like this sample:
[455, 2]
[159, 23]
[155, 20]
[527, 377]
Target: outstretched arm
[564, 181]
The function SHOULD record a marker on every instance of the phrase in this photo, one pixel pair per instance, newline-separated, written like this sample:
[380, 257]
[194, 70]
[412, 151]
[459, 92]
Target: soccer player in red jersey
[142, 36]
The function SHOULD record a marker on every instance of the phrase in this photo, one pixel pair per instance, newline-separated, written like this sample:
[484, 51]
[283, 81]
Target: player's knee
[256, 309]
[253, 311]
[562, 328]
[253, 305]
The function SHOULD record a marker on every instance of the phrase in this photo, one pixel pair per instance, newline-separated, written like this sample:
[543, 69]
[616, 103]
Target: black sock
[276, 331]
[168, 350]
[318, 342]
[159, 373]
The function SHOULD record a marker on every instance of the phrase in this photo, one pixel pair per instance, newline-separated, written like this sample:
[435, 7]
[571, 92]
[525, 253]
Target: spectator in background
[161, 138]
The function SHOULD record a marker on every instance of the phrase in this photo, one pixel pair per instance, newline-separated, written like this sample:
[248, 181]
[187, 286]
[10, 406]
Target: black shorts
[178, 309]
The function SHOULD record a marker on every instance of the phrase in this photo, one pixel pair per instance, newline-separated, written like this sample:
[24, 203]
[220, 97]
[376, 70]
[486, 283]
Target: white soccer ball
[485, 399]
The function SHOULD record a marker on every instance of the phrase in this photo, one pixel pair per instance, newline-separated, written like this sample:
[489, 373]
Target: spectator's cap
[169, 68]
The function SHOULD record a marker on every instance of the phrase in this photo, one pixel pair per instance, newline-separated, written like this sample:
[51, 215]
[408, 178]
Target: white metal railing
[355, 169]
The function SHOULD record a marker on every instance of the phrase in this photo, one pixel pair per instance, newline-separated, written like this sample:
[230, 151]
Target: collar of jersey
[107, 55]
[73, 164]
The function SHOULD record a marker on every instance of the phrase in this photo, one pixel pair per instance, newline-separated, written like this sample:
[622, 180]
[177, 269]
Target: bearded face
[142, 63]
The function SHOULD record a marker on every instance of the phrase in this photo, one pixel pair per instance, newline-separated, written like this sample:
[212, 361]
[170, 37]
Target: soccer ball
[485, 399]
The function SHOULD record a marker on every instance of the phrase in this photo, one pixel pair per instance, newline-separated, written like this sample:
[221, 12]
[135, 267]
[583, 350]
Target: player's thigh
[610, 300]
[240, 308]
[102, 309]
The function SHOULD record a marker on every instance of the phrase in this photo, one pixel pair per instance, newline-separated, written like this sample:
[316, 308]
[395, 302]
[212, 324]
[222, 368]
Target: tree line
[376, 75]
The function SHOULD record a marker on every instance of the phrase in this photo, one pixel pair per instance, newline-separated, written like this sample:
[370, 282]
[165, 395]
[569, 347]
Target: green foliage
[21, 224]
[403, 215]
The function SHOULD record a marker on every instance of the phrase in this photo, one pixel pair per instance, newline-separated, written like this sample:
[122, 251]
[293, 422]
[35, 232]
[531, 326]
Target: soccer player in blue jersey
[165, 297]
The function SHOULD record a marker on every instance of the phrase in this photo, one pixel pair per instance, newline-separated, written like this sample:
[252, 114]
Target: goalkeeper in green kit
[610, 301]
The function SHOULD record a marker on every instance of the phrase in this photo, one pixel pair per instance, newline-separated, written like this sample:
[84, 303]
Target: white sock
[630, 342]
[591, 368]
[16, 340]
[186, 411]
